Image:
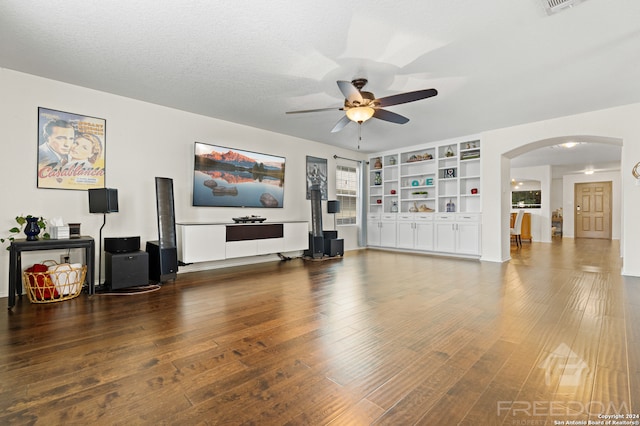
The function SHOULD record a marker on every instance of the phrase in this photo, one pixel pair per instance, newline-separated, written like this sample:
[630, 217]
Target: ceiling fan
[359, 106]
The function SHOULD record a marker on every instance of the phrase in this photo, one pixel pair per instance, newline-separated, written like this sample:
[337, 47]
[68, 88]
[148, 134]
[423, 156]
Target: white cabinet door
[373, 233]
[468, 238]
[201, 243]
[381, 230]
[388, 234]
[445, 236]
[406, 233]
[458, 234]
[388, 231]
[423, 235]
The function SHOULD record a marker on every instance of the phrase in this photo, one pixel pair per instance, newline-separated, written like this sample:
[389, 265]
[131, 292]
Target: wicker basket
[60, 282]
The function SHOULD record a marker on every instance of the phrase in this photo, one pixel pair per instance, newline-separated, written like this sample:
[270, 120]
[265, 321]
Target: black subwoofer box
[163, 262]
[124, 270]
[330, 235]
[121, 244]
[334, 247]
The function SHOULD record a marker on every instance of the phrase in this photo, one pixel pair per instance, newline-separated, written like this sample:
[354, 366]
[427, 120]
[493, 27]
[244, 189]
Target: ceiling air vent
[555, 6]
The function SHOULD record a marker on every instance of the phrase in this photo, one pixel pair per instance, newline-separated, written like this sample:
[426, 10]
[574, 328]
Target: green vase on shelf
[377, 178]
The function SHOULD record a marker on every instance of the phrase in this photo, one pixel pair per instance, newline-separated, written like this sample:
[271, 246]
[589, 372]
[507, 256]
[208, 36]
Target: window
[347, 194]
[526, 200]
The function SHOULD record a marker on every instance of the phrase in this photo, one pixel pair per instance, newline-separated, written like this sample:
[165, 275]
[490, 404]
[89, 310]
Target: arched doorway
[567, 181]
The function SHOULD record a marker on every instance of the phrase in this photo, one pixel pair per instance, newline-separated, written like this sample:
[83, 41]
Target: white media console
[204, 242]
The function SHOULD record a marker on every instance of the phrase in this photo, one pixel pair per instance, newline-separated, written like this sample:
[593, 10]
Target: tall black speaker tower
[316, 239]
[163, 253]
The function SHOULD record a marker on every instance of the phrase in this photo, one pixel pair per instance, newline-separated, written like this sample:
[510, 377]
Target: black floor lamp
[102, 200]
[333, 206]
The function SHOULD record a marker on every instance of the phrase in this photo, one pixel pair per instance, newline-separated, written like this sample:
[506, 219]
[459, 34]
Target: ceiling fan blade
[403, 98]
[340, 124]
[315, 110]
[350, 92]
[385, 115]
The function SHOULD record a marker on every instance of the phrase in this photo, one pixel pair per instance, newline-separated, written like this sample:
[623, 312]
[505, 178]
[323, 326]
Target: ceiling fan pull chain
[359, 134]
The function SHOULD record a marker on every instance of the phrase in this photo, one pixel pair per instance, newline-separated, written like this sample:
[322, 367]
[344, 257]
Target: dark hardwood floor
[373, 338]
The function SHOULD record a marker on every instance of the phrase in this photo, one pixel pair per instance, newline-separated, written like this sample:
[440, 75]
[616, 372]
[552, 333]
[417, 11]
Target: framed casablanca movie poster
[317, 175]
[71, 150]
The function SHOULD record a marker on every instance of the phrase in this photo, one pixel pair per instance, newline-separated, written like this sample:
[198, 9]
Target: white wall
[556, 194]
[142, 141]
[619, 124]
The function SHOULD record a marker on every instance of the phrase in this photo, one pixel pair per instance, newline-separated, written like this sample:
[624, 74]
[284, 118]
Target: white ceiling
[495, 63]
[585, 157]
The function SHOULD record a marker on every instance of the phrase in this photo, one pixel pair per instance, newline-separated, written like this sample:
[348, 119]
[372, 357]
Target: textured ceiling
[495, 63]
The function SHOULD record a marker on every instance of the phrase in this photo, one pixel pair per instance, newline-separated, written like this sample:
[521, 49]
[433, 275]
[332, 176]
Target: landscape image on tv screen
[229, 177]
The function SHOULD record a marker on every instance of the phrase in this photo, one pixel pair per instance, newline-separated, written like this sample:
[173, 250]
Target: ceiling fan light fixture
[360, 114]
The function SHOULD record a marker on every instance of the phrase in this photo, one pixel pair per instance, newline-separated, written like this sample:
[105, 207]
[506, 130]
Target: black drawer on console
[254, 231]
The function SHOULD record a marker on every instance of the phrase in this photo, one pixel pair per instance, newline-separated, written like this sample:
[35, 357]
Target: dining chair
[516, 231]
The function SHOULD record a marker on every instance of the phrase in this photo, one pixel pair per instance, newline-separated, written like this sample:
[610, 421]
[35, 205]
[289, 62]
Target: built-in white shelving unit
[433, 195]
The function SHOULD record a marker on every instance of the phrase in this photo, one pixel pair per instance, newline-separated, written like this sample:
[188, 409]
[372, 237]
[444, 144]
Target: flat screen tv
[229, 177]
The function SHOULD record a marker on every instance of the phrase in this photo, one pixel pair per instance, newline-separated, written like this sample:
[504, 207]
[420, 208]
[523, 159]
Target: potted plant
[33, 223]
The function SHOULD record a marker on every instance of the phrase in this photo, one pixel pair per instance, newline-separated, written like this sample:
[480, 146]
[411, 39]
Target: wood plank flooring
[372, 338]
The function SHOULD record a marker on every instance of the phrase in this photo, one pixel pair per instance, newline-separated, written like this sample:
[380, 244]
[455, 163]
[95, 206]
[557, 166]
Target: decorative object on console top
[28, 224]
[249, 219]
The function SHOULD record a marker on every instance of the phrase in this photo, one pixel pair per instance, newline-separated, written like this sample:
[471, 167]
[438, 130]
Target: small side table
[15, 260]
[556, 222]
